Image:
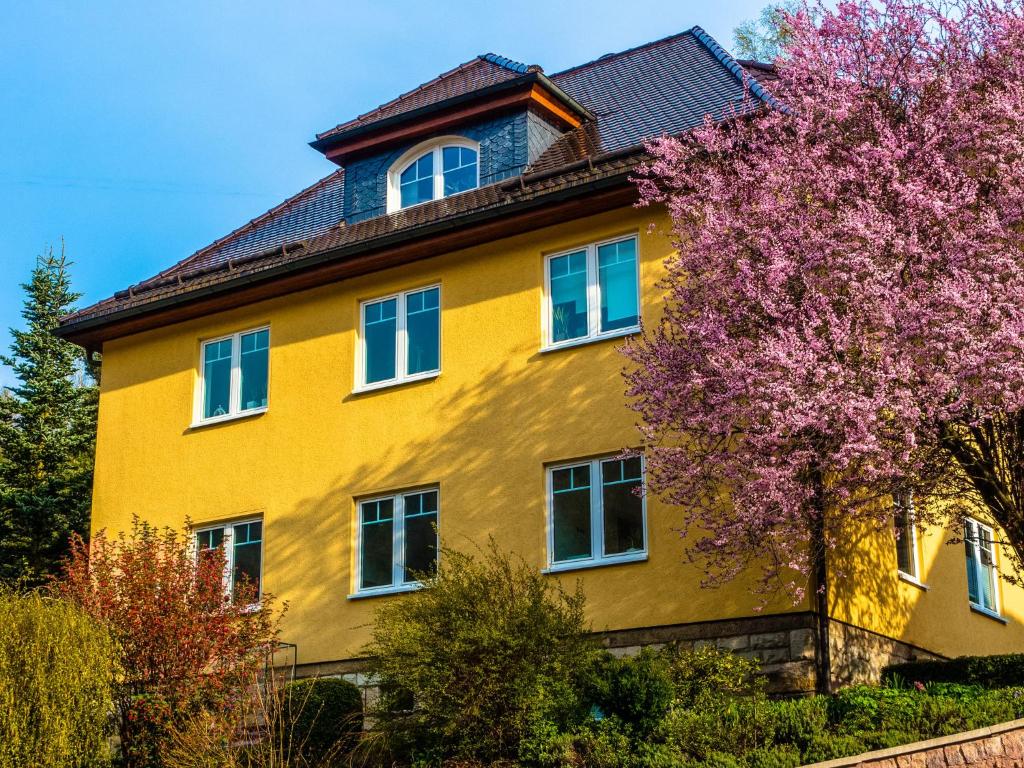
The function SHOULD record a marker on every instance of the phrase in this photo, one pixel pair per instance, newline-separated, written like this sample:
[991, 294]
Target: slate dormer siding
[508, 144]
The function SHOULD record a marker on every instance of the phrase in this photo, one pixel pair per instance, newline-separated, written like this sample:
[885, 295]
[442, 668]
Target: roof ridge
[251, 224]
[726, 60]
[417, 89]
[617, 54]
[515, 66]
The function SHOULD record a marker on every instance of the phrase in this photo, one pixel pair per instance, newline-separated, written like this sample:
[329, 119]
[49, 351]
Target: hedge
[988, 671]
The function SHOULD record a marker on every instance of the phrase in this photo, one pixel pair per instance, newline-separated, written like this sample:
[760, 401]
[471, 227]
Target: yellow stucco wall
[482, 431]
[935, 614]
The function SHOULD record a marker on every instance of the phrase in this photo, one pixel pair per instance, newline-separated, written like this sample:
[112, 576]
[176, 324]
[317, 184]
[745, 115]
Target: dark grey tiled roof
[664, 87]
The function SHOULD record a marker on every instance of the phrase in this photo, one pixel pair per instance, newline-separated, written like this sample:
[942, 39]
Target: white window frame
[398, 583]
[978, 528]
[229, 551]
[594, 332]
[906, 504]
[235, 386]
[401, 342]
[597, 558]
[436, 146]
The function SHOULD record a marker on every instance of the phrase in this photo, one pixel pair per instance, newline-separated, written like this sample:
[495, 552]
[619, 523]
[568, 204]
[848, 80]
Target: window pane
[623, 513]
[568, 296]
[423, 323]
[380, 332]
[376, 540]
[970, 549]
[216, 378]
[616, 270]
[416, 183]
[987, 570]
[248, 546]
[459, 164]
[420, 534]
[253, 364]
[905, 559]
[570, 516]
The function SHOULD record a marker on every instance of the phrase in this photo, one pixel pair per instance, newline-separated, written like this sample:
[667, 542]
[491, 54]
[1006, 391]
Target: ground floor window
[397, 540]
[979, 546]
[242, 542]
[596, 513]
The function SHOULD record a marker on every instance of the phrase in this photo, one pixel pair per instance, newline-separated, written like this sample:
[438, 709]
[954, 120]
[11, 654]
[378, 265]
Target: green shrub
[491, 651]
[988, 671]
[637, 690]
[323, 716]
[797, 721]
[56, 677]
[830, 746]
[781, 756]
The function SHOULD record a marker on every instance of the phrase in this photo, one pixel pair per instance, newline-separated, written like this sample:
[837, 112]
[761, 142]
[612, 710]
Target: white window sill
[395, 382]
[617, 334]
[228, 417]
[990, 614]
[911, 580]
[577, 565]
[381, 591]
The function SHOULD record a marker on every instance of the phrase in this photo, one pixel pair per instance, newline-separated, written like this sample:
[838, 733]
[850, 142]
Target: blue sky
[140, 132]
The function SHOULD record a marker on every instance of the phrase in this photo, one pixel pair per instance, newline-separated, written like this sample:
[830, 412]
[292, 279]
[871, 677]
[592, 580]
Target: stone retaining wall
[999, 746]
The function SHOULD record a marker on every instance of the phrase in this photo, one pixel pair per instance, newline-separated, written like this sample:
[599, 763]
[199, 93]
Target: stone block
[913, 760]
[773, 655]
[973, 753]
[625, 651]
[884, 763]
[736, 643]
[953, 755]
[801, 644]
[769, 640]
[935, 758]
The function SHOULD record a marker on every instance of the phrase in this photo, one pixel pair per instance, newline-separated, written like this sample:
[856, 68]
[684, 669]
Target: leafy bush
[638, 690]
[988, 671]
[493, 654]
[323, 716]
[183, 644]
[56, 683]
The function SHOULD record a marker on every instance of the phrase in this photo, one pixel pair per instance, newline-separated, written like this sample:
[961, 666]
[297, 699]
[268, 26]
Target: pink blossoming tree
[844, 316]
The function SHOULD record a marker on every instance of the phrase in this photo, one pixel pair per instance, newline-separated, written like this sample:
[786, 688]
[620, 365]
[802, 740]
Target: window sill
[229, 417]
[591, 339]
[906, 577]
[578, 565]
[382, 591]
[396, 382]
[989, 614]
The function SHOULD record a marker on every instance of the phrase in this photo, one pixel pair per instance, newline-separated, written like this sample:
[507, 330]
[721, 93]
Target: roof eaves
[726, 59]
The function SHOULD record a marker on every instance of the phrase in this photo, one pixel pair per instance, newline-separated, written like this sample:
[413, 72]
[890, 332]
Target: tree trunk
[819, 563]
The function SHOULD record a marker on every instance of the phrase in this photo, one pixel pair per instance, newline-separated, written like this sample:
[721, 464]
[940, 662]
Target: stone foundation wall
[1000, 746]
[784, 644]
[858, 656]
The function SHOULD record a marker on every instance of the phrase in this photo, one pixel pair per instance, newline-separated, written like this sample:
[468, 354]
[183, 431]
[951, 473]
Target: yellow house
[427, 339]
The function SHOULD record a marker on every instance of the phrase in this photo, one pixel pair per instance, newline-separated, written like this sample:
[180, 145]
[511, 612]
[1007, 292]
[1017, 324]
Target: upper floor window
[431, 171]
[596, 513]
[242, 543]
[233, 375]
[400, 338]
[592, 292]
[979, 546]
[906, 537]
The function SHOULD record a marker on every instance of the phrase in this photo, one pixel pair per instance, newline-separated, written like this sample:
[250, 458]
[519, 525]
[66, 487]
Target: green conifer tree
[47, 432]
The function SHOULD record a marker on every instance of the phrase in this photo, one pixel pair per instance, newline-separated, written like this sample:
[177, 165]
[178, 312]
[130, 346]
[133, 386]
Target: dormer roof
[487, 84]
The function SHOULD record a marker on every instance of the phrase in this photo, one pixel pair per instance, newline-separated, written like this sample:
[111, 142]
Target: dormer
[477, 124]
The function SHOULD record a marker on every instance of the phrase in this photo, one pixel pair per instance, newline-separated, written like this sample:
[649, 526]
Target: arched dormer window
[432, 170]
